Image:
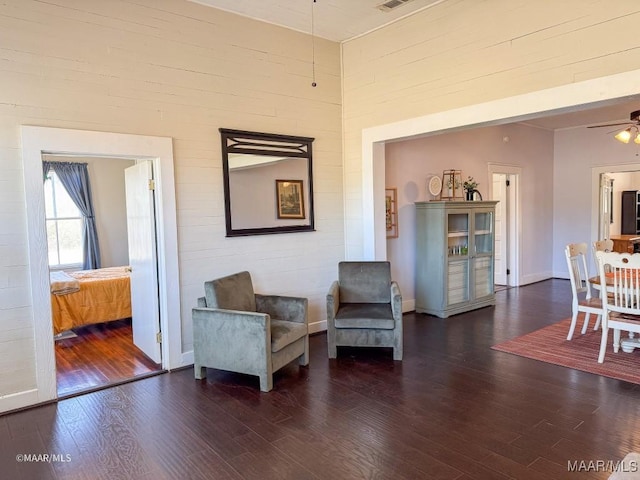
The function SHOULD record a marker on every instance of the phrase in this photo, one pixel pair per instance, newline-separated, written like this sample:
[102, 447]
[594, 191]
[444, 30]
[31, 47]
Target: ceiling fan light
[624, 136]
[637, 139]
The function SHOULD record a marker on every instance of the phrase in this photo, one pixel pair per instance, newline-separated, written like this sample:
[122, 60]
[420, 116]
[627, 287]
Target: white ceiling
[336, 20]
[340, 20]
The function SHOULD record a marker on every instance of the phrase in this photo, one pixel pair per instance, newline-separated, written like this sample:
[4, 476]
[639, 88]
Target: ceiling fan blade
[610, 125]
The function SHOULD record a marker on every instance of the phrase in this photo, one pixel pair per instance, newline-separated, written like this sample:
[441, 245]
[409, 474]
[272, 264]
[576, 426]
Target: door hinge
[508, 272]
[508, 182]
[159, 337]
[152, 185]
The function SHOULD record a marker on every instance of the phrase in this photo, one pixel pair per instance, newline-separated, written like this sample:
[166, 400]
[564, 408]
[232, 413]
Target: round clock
[434, 185]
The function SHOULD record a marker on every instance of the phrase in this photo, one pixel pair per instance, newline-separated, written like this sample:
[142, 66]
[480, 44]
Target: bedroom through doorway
[105, 316]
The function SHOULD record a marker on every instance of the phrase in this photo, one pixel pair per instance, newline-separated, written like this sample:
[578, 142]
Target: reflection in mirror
[268, 183]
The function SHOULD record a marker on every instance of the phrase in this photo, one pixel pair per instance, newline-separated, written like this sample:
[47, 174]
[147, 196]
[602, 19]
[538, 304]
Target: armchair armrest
[396, 301]
[333, 301]
[220, 318]
[217, 333]
[291, 309]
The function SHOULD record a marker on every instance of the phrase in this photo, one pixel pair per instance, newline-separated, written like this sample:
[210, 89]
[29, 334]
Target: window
[64, 224]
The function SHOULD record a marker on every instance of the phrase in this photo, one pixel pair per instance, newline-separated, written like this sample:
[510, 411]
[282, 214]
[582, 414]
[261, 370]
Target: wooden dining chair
[622, 305]
[576, 254]
[601, 246]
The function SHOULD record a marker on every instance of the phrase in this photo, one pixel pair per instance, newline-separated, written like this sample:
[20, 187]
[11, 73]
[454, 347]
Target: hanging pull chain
[313, 46]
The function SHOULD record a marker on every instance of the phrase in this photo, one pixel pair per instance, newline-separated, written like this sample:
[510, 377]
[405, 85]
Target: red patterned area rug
[550, 345]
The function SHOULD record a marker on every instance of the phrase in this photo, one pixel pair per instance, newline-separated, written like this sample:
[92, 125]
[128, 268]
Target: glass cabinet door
[483, 260]
[458, 234]
[483, 232]
[458, 225]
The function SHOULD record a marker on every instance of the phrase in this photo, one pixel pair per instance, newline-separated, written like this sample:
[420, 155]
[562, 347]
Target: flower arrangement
[453, 183]
[470, 184]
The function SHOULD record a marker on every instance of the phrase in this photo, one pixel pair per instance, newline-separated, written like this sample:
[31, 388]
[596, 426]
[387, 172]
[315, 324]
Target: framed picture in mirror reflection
[290, 199]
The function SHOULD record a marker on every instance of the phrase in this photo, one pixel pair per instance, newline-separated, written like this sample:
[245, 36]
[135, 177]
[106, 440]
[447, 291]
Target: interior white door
[499, 192]
[143, 258]
[605, 207]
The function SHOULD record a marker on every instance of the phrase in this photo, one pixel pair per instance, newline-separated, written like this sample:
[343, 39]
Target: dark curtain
[75, 179]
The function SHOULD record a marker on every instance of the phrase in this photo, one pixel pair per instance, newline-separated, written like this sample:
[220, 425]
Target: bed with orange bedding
[102, 295]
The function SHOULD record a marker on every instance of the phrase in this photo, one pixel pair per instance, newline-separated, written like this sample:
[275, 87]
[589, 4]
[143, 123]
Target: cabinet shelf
[458, 234]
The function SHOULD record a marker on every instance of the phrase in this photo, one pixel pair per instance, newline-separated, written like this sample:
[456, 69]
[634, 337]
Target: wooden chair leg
[603, 344]
[574, 319]
[616, 340]
[597, 325]
[586, 323]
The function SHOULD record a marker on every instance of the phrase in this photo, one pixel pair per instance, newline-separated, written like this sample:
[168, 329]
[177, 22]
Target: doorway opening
[107, 326]
[37, 141]
[618, 198]
[504, 187]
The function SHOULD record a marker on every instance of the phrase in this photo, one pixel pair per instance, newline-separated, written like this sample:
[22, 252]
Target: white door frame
[596, 172]
[498, 191]
[37, 141]
[605, 203]
[514, 219]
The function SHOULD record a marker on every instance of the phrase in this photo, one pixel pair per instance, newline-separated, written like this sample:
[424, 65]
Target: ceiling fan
[632, 128]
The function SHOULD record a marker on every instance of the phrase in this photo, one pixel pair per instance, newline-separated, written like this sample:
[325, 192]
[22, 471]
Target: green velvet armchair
[364, 308]
[237, 330]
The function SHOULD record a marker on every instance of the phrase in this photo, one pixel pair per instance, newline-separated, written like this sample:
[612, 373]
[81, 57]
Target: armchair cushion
[234, 292]
[284, 333]
[363, 315]
[364, 282]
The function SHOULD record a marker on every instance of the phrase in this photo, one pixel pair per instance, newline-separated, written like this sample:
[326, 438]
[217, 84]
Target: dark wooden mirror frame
[272, 145]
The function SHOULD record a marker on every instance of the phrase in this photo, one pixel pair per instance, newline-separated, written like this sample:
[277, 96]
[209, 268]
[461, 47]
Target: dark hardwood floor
[101, 354]
[453, 409]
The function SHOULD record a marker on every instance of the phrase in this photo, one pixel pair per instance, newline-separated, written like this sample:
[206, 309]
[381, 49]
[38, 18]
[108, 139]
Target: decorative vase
[469, 194]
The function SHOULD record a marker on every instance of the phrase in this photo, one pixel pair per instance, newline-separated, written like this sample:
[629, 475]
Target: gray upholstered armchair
[237, 330]
[364, 308]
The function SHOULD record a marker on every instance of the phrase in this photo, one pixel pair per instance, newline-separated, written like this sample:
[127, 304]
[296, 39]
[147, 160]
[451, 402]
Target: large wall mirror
[268, 183]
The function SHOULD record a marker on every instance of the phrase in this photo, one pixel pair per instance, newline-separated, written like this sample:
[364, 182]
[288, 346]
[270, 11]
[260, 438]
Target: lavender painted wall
[410, 163]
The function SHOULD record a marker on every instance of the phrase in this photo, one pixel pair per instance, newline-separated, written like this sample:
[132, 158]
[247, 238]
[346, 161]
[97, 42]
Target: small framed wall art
[391, 212]
[290, 198]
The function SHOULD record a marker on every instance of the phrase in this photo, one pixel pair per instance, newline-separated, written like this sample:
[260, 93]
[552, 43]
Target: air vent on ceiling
[391, 4]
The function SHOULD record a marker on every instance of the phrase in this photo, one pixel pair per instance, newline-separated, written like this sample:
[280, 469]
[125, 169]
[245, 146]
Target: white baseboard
[408, 305]
[19, 400]
[315, 327]
[187, 358]
[535, 277]
[564, 275]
